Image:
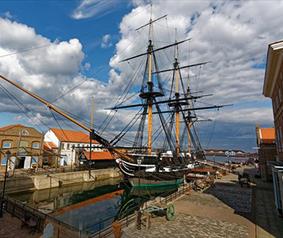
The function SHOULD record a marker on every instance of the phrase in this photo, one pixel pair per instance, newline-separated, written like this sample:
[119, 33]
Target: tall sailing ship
[143, 164]
[150, 166]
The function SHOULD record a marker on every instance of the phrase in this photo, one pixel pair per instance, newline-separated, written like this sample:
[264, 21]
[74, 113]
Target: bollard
[138, 221]
[117, 229]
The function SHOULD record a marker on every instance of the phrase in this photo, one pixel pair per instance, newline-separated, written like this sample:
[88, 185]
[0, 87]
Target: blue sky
[85, 40]
[53, 20]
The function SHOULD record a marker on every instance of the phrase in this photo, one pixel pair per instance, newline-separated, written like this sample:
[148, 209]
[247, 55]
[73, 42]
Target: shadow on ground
[255, 203]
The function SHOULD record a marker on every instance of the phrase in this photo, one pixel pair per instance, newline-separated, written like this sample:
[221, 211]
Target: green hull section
[135, 182]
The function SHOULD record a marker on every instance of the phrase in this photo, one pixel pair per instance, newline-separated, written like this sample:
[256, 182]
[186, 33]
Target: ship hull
[148, 183]
[152, 176]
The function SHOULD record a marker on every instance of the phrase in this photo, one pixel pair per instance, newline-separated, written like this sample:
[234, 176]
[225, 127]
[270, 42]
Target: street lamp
[8, 154]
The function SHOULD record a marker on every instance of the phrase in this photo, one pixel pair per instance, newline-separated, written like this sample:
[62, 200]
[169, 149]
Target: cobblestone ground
[186, 226]
[215, 213]
[239, 199]
[269, 224]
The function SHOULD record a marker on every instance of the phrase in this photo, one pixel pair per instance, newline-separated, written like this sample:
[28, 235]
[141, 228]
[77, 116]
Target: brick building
[273, 88]
[25, 145]
[266, 151]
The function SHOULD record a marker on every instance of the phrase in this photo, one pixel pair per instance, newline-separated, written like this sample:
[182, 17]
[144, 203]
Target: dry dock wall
[61, 179]
[38, 182]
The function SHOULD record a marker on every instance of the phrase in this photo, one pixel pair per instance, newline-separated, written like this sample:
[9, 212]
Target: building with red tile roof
[72, 136]
[49, 146]
[266, 135]
[266, 151]
[99, 155]
[70, 142]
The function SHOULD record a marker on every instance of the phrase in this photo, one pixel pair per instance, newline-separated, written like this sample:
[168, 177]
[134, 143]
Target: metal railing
[125, 222]
[22, 211]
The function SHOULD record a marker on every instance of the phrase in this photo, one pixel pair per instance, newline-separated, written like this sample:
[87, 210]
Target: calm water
[90, 206]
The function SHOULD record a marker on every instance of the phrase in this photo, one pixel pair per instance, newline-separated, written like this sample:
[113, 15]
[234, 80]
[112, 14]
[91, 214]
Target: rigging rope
[110, 117]
[22, 107]
[126, 128]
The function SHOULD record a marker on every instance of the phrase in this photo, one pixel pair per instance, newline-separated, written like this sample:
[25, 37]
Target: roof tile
[99, 155]
[267, 135]
[72, 136]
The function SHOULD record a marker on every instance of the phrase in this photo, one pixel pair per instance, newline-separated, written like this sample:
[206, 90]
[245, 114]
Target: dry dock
[24, 182]
[225, 210]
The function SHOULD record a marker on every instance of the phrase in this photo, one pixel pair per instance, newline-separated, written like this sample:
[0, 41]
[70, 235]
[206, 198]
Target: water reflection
[133, 198]
[50, 200]
[91, 206]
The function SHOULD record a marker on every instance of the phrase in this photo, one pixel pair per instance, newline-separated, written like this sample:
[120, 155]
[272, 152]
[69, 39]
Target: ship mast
[149, 93]
[177, 95]
[189, 123]
[150, 86]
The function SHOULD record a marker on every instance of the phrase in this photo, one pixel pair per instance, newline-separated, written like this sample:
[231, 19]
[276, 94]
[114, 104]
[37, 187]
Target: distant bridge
[229, 153]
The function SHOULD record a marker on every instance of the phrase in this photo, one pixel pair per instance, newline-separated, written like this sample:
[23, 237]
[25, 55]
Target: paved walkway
[226, 210]
[269, 224]
[11, 227]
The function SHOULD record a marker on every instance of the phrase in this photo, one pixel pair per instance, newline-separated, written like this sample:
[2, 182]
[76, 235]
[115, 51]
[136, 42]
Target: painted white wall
[27, 162]
[51, 137]
[68, 154]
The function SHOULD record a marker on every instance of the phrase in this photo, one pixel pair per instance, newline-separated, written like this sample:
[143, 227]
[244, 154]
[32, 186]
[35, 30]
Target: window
[35, 145]
[22, 146]
[6, 144]
[68, 146]
[4, 160]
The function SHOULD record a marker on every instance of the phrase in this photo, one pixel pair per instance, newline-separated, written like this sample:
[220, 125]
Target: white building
[67, 141]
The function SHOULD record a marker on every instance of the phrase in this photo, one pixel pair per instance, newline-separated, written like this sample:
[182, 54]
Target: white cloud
[243, 115]
[233, 35]
[91, 8]
[106, 41]
[50, 69]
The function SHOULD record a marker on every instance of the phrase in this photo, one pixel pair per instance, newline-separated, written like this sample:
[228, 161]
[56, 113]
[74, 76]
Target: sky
[69, 53]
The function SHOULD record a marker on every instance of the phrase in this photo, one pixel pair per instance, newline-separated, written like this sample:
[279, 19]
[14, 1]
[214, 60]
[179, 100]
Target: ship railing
[181, 191]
